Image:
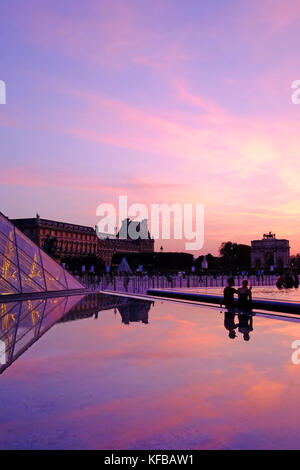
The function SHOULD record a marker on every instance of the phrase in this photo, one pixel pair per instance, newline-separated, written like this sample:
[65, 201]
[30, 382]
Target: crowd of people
[288, 280]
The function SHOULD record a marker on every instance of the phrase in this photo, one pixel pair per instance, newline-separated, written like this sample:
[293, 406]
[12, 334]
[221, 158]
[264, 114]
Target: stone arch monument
[270, 251]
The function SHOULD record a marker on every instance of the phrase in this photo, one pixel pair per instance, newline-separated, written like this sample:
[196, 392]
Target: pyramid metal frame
[25, 268]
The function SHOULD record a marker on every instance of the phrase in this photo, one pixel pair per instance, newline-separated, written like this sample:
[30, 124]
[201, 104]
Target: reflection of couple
[244, 306]
[245, 324]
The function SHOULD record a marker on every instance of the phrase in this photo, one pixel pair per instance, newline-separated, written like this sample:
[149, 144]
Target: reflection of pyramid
[23, 323]
[25, 268]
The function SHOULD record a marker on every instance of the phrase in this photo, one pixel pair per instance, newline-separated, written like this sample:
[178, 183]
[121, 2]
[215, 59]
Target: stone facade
[79, 240]
[270, 251]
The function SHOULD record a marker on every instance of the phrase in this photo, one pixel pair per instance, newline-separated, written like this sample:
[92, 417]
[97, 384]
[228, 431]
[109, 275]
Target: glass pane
[28, 284]
[30, 318]
[73, 300]
[9, 272]
[8, 320]
[7, 308]
[52, 283]
[30, 248]
[54, 269]
[32, 307]
[52, 303]
[24, 336]
[54, 310]
[72, 282]
[6, 288]
[9, 324]
[6, 227]
[31, 268]
[8, 247]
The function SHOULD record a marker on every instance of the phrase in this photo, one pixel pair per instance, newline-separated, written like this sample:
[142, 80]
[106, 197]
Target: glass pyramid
[25, 268]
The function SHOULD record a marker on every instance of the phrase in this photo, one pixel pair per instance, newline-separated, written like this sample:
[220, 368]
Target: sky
[163, 101]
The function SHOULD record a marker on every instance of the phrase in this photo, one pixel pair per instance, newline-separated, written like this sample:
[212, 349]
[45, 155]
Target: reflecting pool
[258, 292]
[110, 372]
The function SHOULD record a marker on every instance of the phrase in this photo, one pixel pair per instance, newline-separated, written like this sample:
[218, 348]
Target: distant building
[70, 239]
[62, 239]
[270, 251]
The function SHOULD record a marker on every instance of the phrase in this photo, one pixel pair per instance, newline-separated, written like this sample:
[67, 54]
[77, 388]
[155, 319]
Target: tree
[228, 250]
[244, 256]
[295, 262]
[235, 256]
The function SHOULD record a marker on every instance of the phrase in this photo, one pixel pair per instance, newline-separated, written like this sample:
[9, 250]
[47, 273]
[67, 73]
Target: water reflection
[178, 382]
[229, 323]
[135, 311]
[244, 325]
[22, 323]
[131, 310]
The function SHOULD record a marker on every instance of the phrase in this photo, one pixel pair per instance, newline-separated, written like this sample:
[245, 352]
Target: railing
[141, 283]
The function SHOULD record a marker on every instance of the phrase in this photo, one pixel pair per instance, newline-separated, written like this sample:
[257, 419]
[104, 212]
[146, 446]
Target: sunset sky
[163, 101]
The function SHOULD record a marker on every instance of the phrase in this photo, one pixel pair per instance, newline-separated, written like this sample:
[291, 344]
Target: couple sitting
[244, 295]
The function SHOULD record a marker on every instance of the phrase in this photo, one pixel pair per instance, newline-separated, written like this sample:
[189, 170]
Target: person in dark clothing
[245, 325]
[280, 282]
[288, 280]
[228, 293]
[296, 280]
[245, 296]
[229, 323]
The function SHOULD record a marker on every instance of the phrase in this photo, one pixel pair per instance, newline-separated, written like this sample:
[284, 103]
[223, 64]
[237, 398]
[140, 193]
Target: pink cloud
[241, 165]
[275, 15]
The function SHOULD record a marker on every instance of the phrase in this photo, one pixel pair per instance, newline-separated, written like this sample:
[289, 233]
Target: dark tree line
[163, 262]
[75, 264]
[233, 257]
